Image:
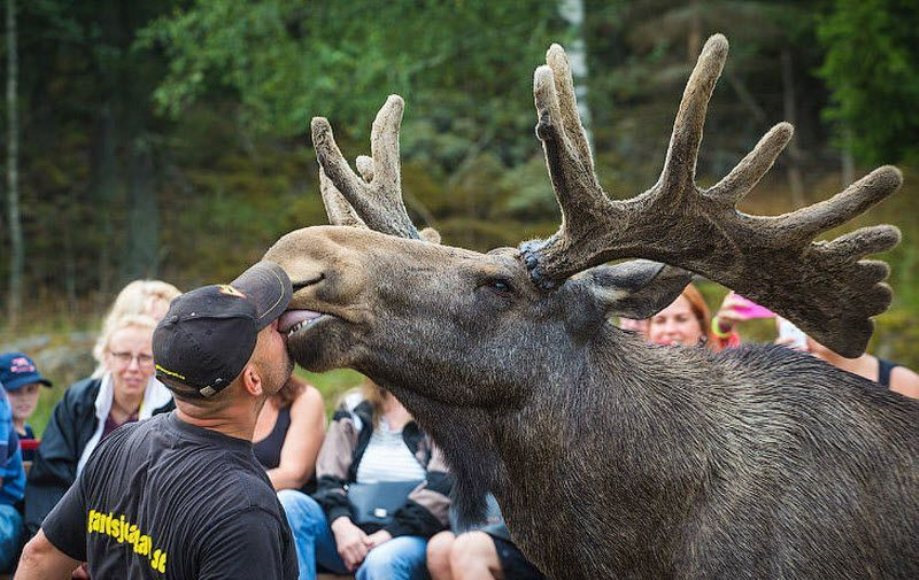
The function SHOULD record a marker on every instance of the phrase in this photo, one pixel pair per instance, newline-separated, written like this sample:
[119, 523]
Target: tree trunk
[746, 97]
[17, 242]
[142, 234]
[847, 159]
[793, 158]
[572, 12]
[694, 40]
[143, 217]
[70, 266]
[104, 192]
[110, 137]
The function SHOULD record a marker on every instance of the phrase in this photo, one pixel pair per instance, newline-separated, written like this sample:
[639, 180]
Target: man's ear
[635, 289]
[252, 380]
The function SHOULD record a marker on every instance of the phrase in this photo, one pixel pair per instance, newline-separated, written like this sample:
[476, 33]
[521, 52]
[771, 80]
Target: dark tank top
[268, 450]
[884, 368]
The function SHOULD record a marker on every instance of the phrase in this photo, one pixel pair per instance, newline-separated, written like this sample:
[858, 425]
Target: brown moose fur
[610, 457]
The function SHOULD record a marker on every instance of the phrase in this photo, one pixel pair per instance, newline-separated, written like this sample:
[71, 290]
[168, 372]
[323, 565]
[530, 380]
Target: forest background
[170, 139]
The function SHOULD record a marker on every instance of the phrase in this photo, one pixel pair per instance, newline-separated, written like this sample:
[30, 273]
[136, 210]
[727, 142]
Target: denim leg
[10, 536]
[401, 558]
[312, 535]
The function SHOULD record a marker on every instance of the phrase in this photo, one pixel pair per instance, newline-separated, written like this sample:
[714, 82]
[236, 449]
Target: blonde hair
[141, 321]
[139, 298]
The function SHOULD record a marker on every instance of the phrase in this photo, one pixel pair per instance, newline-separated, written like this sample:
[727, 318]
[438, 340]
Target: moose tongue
[292, 318]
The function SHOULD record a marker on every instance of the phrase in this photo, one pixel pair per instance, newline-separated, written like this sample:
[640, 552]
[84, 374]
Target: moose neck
[495, 447]
[476, 421]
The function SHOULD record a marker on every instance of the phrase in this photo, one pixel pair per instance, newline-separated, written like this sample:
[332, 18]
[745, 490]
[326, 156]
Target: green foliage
[288, 60]
[871, 66]
[332, 385]
[231, 166]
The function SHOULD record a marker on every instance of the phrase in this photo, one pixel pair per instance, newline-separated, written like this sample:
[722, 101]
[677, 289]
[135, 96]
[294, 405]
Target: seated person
[148, 297]
[477, 552]
[21, 380]
[372, 439]
[12, 485]
[887, 374]
[91, 409]
[288, 434]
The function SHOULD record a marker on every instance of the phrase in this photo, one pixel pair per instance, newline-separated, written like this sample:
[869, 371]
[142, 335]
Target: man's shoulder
[224, 468]
[124, 448]
[251, 488]
[136, 430]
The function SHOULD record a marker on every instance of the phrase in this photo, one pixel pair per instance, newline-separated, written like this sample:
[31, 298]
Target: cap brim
[267, 286]
[26, 380]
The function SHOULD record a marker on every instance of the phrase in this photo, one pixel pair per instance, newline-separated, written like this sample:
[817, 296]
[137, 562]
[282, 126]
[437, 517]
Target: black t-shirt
[165, 499]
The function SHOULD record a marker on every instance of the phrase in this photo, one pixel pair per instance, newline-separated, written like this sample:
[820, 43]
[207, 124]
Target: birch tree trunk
[795, 183]
[17, 243]
[572, 12]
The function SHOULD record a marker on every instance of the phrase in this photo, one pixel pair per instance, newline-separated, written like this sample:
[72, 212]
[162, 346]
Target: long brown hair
[702, 313]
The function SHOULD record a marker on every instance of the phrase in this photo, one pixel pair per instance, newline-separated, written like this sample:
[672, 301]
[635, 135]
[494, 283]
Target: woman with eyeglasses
[91, 409]
[148, 297]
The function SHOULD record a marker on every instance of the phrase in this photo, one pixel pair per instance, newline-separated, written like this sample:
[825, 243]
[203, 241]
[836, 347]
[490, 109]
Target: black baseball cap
[208, 334]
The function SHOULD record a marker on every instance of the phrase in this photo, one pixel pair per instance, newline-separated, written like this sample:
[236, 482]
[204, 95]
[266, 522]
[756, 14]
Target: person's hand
[730, 312]
[81, 572]
[351, 542]
[377, 538]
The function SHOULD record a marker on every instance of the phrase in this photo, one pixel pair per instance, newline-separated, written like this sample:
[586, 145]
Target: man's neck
[235, 421]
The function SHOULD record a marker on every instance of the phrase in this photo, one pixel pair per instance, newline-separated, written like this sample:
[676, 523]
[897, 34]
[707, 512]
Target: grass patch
[332, 384]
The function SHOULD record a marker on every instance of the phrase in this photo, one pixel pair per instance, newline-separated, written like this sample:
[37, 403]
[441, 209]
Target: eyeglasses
[124, 359]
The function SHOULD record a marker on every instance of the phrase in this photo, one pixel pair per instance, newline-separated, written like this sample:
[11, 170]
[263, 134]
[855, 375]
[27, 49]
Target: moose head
[508, 358]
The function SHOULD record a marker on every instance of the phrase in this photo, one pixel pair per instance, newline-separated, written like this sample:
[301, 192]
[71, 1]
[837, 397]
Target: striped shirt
[388, 458]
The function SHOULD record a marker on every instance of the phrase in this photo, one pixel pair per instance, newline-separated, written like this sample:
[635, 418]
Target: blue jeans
[401, 558]
[10, 536]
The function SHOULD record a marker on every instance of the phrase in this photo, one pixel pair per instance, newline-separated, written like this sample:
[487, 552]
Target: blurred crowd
[688, 322]
[367, 494]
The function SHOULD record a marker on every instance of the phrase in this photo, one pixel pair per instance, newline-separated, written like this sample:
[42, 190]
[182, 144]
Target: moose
[610, 457]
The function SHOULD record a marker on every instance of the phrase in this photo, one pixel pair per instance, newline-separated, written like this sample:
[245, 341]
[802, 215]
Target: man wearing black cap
[182, 495]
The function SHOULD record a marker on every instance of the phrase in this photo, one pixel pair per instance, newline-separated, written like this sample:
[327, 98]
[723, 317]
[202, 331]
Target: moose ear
[636, 289]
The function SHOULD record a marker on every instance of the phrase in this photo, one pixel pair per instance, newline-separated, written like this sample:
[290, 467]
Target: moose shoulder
[610, 457]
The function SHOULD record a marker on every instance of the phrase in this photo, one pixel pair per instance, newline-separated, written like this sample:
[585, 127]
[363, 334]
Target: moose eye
[499, 286]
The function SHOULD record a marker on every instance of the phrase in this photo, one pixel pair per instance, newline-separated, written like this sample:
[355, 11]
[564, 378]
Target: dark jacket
[425, 511]
[54, 469]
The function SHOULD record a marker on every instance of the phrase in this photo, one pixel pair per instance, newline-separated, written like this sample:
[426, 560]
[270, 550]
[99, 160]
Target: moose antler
[375, 199]
[824, 287]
